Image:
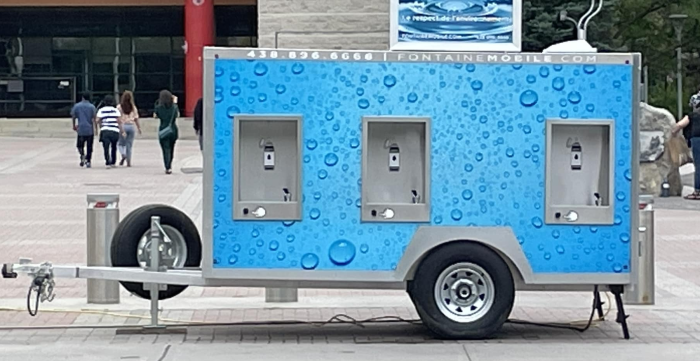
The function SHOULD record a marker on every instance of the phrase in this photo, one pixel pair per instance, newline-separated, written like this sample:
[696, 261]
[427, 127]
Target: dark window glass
[153, 64]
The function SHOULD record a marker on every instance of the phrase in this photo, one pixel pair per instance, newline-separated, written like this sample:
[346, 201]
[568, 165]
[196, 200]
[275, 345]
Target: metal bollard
[281, 295]
[643, 292]
[102, 221]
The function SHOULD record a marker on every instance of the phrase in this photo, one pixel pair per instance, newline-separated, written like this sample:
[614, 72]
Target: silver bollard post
[643, 292]
[281, 295]
[102, 221]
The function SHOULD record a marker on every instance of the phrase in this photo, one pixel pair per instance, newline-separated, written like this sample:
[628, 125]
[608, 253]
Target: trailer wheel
[463, 291]
[131, 245]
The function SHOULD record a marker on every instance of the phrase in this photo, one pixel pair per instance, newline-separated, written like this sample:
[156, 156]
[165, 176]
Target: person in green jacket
[167, 111]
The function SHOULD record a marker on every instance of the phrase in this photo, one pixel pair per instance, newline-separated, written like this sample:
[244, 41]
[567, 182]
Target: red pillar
[199, 32]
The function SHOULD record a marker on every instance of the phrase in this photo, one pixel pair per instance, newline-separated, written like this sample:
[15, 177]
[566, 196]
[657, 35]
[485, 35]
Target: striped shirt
[109, 118]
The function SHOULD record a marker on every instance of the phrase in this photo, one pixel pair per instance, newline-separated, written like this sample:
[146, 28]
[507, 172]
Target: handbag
[168, 131]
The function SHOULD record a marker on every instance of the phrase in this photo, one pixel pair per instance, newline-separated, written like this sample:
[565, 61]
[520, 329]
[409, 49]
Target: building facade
[53, 50]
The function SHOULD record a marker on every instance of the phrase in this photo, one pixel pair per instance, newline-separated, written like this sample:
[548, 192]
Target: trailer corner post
[643, 291]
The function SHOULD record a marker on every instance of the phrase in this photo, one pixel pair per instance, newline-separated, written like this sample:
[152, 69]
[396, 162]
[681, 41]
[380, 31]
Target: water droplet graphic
[477, 85]
[628, 175]
[544, 72]
[537, 222]
[589, 69]
[527, 129]
[558, 83]
[510, 152]
[363, 103]
[297, 68]
[262, 97]
[341, 252]
[260, 69]
[233, 259]
[564, 114]
[560, 249]
[547, 256]
[235, 90]
[471, 68]
[412, 97]
[479, 157]
[517, 66]
[531, 79]
[617, 268]
[594, 229]
[621, 196]
[280, 89]
[437, 220]
[322, 174]
[274, 245]
[625, 238]
[358, 202]
[590, 107]
[468, 167]
[483, 119]
[389, 81]
[364, 79]
[315, 213]
[331, 159]
[617, 84]
[528, 98]
[311, 144]
[467, 195]
[309, 261]
[218, 97]
[456, 215]
[575, 97]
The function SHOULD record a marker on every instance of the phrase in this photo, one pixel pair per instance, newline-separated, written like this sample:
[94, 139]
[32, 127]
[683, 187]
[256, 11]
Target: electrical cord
[29, 300]
[571, 325]
[336, 319]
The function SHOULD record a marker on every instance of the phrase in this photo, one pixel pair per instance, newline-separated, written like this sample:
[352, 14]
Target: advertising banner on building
[456, 25]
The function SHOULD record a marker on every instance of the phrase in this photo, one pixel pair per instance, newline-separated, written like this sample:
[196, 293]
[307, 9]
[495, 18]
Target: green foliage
[629, 26]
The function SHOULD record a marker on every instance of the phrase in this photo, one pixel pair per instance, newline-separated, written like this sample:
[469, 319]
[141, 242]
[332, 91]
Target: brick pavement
[42, 215]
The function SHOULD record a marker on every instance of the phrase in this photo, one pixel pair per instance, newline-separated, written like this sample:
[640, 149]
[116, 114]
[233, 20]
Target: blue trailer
[458, 177]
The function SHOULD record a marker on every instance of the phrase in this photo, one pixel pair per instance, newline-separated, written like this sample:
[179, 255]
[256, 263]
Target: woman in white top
[130, 124]
[108, 118]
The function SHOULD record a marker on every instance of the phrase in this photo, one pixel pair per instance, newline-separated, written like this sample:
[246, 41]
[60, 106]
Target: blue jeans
[695, 141]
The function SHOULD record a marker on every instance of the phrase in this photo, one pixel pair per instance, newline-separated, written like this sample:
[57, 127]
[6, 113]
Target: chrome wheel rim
[174, 253]
[464, 292]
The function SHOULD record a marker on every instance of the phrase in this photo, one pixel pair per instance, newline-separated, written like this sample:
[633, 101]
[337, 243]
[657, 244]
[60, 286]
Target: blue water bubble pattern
[486, 174]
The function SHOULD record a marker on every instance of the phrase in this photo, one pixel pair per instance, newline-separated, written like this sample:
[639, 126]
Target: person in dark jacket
[167, 112]
[693, 120]
[198, 114]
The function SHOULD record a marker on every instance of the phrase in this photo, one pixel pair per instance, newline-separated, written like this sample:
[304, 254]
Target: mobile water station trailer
[458, 177]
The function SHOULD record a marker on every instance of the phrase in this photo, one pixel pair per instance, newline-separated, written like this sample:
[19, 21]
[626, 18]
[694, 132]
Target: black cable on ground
[561, 325]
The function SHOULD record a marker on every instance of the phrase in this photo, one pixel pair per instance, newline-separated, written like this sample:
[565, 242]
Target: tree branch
[651, 9]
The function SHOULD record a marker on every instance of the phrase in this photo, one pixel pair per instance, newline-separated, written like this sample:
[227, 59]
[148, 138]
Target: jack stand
[598, 303]
[617, 291]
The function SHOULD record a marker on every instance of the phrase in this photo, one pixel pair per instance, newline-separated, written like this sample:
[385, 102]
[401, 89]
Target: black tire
[129, 232]
[422, 291]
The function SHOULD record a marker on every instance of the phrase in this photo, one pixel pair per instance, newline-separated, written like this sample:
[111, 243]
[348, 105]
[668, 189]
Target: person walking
[167, 112]
[198, 116]
[83, 115]
[130, 124]
[693, 121]
[108, 117]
